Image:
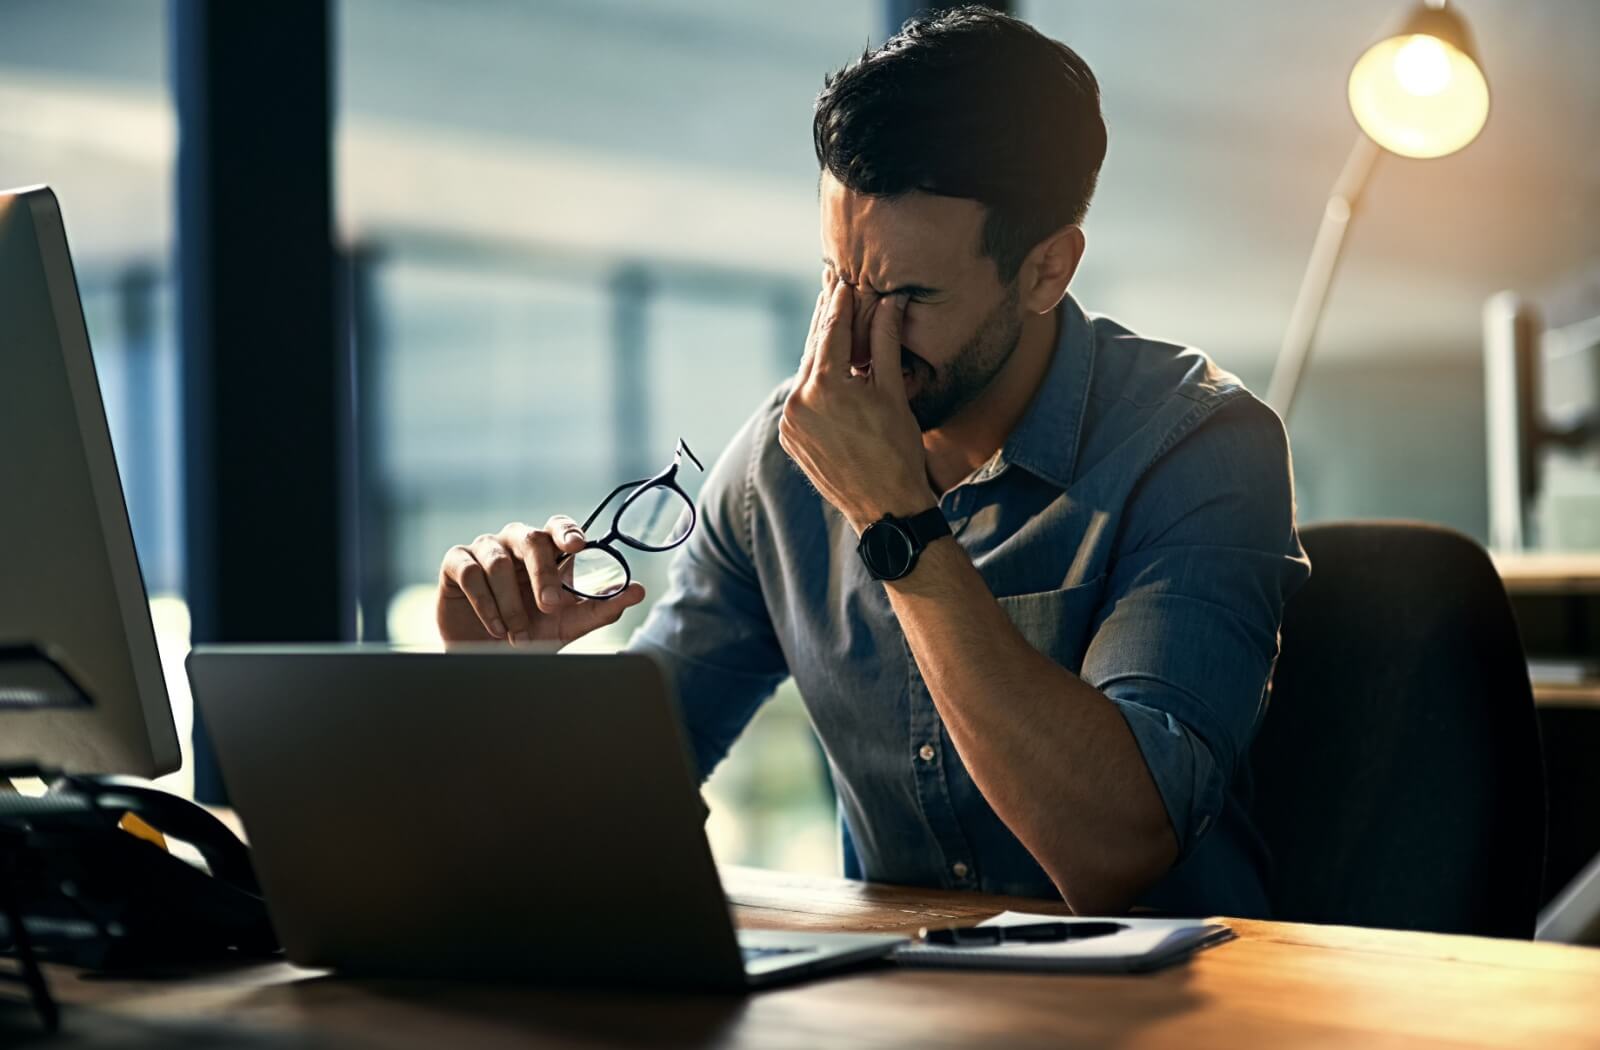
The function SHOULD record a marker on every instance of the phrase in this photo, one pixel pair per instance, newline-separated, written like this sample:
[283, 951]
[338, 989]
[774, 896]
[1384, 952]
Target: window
[85, 108]
[579, 232]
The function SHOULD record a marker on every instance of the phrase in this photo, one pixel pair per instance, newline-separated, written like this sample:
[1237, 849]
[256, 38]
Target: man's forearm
[1053, 756]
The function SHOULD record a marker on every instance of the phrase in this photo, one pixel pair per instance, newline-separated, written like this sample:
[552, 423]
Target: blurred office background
[573, 231]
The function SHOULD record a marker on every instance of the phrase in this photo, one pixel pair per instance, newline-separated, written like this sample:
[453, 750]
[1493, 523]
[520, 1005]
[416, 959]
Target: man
[1042, 674]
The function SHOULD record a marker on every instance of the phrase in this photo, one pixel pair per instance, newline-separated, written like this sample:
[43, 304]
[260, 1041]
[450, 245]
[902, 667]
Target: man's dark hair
[976, 104]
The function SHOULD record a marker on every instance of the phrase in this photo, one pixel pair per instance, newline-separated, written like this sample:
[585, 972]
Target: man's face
[961, 324]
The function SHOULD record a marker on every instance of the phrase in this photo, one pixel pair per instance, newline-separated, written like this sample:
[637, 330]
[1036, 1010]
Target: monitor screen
[69, 578]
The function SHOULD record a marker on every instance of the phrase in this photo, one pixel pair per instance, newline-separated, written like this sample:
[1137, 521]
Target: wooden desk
[1584, 694]
[1278, 985]
[1572, 581]
[1541, 573]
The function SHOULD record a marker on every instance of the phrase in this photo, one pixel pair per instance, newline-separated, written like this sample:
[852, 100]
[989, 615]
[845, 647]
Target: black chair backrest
[1398, 774]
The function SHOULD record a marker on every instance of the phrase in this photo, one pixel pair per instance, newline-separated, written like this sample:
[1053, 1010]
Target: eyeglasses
[655, 515]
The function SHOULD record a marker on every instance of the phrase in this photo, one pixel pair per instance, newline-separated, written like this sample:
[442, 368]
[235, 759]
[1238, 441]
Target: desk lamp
[1419, 92]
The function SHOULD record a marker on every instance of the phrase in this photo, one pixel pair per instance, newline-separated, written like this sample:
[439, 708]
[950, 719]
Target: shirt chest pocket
[1057, 622]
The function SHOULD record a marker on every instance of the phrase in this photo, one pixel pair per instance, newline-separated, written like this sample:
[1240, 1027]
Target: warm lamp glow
[1419, 96]
[1422, 66]
[1419, 92]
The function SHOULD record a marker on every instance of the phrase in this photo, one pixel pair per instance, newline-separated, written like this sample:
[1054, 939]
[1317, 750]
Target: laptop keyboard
[752, 954]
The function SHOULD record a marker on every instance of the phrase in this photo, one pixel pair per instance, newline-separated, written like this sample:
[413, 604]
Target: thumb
[591, 615]
[886, 324]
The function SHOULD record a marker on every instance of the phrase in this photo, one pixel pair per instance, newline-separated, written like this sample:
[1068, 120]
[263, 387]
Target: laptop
[1573, 915]
[491, 814]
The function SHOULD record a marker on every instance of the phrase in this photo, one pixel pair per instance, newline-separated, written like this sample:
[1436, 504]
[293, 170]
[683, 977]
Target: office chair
[1398, 774]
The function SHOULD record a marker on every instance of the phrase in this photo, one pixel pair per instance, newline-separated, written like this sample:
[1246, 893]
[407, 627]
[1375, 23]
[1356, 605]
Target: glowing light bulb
[1422, 66]
[1418, 95]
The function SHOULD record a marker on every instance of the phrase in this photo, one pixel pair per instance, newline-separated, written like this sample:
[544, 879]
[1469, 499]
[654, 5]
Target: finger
[823, 288]
[809, 352]
[500, 566]
[567, 533]
[538, 554]
[887, 320]
[830, 280]
[462, 570]
[861, 333]
[833, 339]
[593, 614]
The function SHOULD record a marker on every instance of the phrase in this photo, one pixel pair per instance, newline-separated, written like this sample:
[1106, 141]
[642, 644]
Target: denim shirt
[1137, 527]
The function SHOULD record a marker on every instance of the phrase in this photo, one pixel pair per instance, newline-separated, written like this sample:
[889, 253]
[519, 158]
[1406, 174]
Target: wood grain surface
[1279, 984]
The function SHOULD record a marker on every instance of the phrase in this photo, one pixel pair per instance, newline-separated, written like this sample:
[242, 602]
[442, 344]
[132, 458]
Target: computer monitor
[69, 578]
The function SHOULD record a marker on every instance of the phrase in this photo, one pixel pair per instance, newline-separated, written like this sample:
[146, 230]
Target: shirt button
[959, 869]
[926, 753]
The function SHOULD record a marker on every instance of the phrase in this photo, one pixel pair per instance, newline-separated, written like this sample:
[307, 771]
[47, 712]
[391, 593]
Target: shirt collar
[1045, 440]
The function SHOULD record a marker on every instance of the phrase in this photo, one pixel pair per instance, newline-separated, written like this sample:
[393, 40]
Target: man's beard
[943, 393]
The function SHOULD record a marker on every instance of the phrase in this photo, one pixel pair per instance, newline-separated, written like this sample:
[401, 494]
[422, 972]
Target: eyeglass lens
[659, 517]
[596, 573]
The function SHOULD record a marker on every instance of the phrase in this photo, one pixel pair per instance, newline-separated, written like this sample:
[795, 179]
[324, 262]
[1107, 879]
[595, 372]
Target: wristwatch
[890, 545]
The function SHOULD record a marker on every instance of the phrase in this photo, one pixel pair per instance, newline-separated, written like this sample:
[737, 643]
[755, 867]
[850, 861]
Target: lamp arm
[1301, 332]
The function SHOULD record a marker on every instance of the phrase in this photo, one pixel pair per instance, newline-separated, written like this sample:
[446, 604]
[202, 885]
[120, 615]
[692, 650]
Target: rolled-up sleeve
[1188, 631]
[711, 630]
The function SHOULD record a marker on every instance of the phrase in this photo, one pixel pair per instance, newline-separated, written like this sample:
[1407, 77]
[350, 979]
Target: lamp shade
[1421, 92]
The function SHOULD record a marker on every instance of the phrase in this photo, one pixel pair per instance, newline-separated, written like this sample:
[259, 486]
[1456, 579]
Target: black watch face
[887, 550]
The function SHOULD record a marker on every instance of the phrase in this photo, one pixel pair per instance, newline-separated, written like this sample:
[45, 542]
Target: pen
[1031, 933]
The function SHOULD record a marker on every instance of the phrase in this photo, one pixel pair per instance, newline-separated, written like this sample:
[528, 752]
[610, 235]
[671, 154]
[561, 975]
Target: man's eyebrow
[903, 289]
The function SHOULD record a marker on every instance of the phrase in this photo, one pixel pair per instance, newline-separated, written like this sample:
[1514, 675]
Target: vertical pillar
[265, 380]
[631, 380]
[373, 534]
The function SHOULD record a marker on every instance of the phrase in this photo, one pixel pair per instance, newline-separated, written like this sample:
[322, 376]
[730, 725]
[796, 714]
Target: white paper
[1145, 938]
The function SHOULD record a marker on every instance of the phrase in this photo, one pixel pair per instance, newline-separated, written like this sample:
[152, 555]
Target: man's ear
[1048, 269]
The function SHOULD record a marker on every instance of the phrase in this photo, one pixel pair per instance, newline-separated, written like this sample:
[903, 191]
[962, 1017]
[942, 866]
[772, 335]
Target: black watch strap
[927, 526]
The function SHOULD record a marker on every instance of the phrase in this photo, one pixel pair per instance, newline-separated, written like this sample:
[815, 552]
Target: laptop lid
[489, 812]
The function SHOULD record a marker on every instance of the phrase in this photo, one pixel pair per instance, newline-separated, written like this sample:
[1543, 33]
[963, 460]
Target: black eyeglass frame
[667, 478]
